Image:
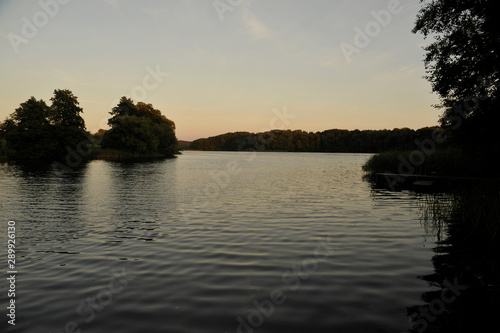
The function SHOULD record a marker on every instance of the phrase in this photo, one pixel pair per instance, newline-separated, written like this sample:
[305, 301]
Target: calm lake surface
[212, 242]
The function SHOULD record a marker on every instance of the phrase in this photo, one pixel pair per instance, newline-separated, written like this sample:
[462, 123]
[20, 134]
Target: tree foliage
[125, 107]
[334, 140]
[140, 128]
[36, 131]
[65, 110]
[462, 63]
[66, 119]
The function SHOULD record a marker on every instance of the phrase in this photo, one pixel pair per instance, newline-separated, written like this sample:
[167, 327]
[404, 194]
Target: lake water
[212, 242]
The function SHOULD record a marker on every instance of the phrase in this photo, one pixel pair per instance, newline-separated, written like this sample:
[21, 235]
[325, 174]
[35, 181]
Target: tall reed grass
[453, 162]
[470, 217]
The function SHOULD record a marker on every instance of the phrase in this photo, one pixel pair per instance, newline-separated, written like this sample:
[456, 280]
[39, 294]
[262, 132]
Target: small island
[55, 133]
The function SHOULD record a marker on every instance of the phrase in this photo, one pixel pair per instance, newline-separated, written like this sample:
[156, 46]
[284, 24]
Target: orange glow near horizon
[211, 75]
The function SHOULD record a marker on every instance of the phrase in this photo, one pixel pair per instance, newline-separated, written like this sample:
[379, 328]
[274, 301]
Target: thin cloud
[255, 27]
[397, 75]
[330, 58]
[63, 76]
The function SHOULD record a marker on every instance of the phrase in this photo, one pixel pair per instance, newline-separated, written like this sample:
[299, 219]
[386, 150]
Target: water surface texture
[212, 242]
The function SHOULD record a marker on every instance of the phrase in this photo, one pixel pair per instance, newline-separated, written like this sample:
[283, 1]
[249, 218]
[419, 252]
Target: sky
[217, 66]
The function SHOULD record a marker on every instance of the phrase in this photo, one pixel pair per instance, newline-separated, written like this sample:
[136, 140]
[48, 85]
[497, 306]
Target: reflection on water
[464, 295]
[212, 240]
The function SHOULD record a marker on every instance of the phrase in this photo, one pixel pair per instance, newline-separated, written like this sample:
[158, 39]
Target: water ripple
[202, 247]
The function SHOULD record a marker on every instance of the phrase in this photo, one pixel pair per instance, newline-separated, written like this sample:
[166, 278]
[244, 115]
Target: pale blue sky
[223, 75]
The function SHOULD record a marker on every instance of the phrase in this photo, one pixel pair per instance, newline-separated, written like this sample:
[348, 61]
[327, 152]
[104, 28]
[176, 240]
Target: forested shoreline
[333, 140]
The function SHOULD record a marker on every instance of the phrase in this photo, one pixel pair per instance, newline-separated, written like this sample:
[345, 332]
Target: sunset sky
[222, 66]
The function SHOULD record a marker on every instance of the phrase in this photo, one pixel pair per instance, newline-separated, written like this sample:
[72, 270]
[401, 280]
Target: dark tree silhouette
[65, 110]
[140, 128]
[333, 140]
[37, 131]
[462, 64]
[125, 107]
[27, 130]
[67, 123]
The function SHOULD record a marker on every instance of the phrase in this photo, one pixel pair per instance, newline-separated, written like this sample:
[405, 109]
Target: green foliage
[454, 162]
[66, 120]
[97, 137]
[26, 130]
[140, 128]
[477, 212]
[334, 140]
[472, 217]
[463, 65]
[125, 107]
[184, 144]
[37, 131]
[147, 110]
[65, 110]
[469, 254]
[3, 148]
[384, 162]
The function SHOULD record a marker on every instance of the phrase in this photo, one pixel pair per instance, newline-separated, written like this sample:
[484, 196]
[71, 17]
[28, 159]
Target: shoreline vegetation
[447, 162]
[466, 254]
[332, 140]
[96, 152]
[38, 132]
[462, 66]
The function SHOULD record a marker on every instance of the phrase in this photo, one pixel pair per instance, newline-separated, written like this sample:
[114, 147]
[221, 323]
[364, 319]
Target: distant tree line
[333, 140]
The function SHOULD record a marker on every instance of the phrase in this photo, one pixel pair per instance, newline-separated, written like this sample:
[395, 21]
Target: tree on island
[66, 119]
[37, 131]
[140, 128]
[462, 64]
